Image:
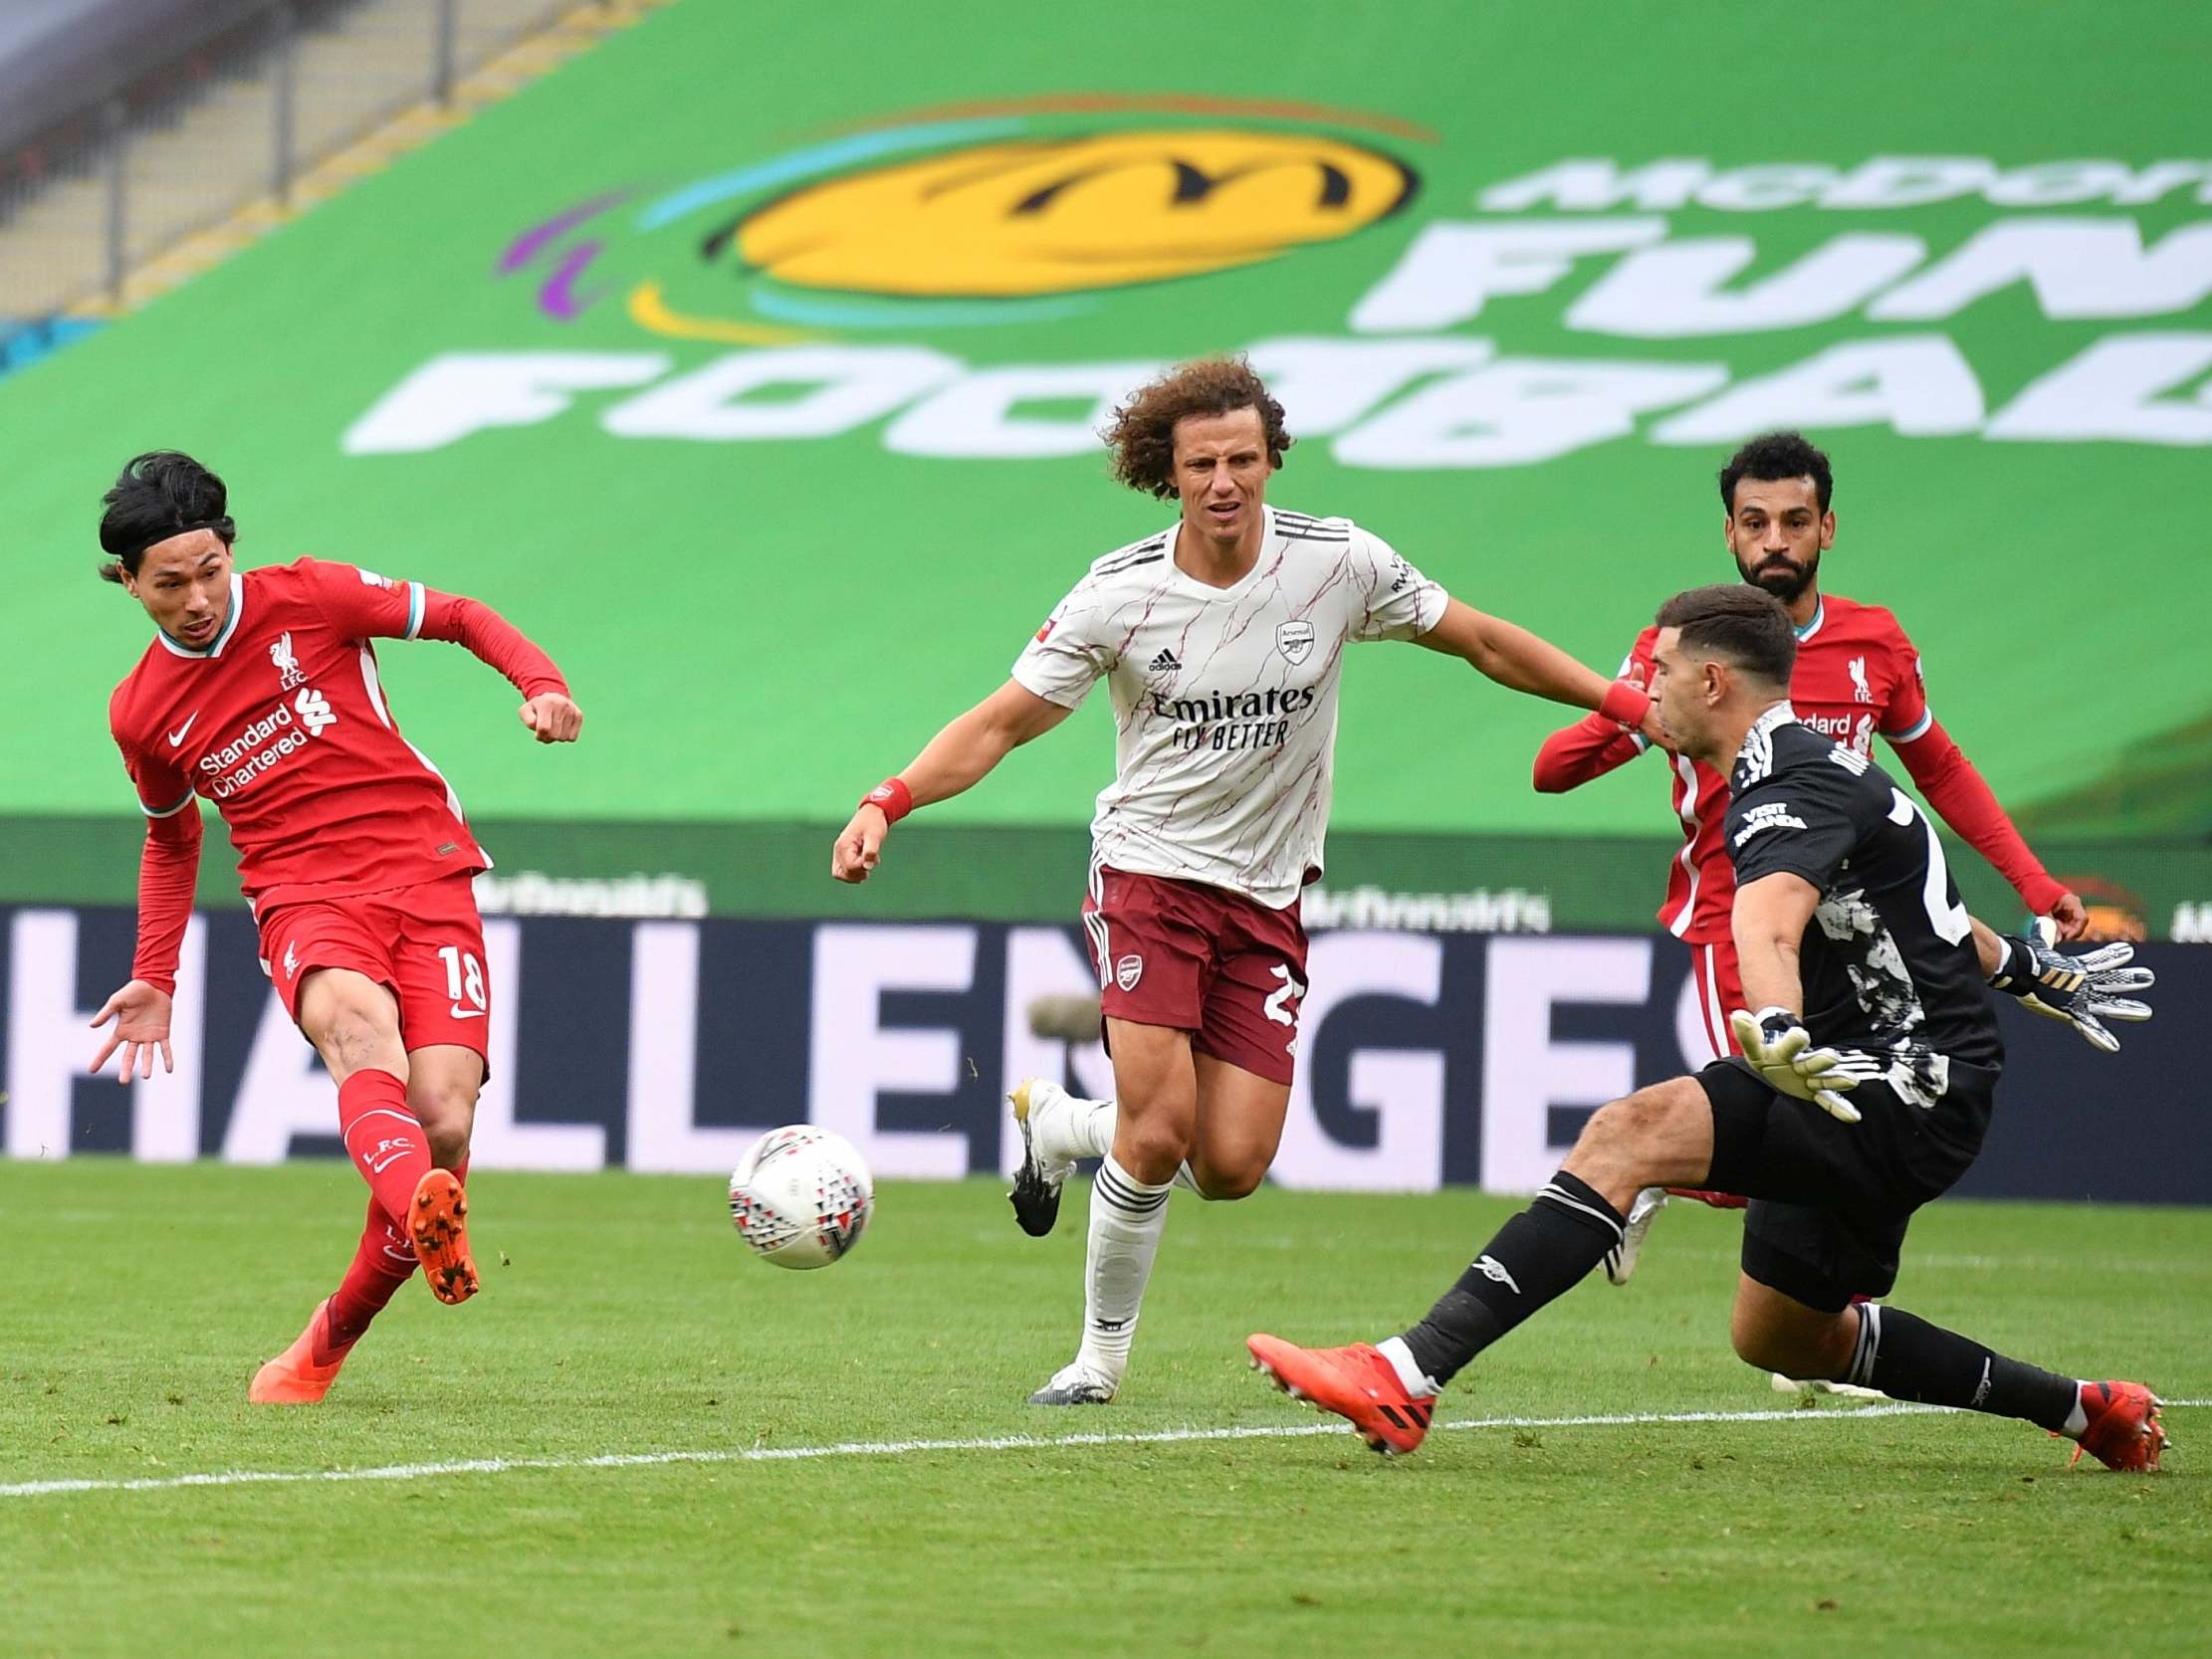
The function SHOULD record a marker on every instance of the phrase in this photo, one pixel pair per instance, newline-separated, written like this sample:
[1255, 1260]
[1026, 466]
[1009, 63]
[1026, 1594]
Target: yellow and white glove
[1777, 1046]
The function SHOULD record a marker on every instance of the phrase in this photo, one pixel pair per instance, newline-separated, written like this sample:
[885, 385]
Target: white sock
[1186, 1178]
[1417, 1382]
[1091, 1125]
[2077, 1420]
[1127, 1219]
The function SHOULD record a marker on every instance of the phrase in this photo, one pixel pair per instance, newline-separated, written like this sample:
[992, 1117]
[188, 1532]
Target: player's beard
[1786, 582]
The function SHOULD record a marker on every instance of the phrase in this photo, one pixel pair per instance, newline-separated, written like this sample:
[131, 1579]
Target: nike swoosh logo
[461, 1013]
[177, 736]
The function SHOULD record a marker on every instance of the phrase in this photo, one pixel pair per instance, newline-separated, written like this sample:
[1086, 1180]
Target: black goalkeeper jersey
[1887, 962]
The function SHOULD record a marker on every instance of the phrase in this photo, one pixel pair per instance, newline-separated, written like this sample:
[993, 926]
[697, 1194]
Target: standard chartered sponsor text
[257, 761]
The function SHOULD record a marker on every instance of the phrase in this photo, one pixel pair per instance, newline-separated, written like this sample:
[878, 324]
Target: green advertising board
[752, 364]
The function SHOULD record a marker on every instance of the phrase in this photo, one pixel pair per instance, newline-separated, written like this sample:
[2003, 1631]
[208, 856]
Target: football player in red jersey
[260, 693]
[1857, 676]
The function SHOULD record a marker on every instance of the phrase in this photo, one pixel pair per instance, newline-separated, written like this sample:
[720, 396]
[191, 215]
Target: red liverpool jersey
[1857, 675]
[283, 725]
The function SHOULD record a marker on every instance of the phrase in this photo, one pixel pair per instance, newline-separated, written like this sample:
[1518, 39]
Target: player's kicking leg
[354, 1022]
[1668, 1134]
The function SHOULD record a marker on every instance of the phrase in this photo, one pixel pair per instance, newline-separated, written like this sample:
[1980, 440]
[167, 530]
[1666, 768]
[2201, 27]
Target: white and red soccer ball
[802, 1197]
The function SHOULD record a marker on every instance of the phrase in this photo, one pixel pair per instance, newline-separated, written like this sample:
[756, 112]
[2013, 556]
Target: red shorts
[424, 944]
[1202, 960]
[1719, 992]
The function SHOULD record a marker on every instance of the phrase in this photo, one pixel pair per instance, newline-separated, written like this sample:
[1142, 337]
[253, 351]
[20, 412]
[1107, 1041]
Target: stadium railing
[152, 119]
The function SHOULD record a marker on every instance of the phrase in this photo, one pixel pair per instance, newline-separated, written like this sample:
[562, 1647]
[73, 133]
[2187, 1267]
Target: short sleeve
[1398, 601]
[1800, 822]
[163, 788]
[1065, 658]
[361, 604]
[1907, 716]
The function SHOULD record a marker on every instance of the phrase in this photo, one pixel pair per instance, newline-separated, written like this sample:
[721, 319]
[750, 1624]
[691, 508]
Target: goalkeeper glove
[1779, 1048]
[2085, 990]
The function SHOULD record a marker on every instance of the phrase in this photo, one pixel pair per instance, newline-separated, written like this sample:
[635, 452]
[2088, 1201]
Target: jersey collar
[1819, 615]
[1270, 535]
[222, 635]
[1755, 759]
[1780, 714]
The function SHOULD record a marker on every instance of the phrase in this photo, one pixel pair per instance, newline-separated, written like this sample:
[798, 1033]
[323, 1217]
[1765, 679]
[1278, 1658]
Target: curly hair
[1772, 457]
[1142, 433]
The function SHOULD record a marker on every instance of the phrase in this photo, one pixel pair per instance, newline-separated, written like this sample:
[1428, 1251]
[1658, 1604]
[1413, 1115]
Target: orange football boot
[1355, 1383]
[2123, 1429]
[292, 1377]
[437, 1223]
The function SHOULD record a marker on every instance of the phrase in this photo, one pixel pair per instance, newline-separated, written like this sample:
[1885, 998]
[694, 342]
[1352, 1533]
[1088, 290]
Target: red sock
[382, 1262]
[386, 1138]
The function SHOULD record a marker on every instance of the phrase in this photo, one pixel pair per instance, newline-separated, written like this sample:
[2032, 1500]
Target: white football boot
[1620, 1261]
[1044, 1112]
[1077, 1383]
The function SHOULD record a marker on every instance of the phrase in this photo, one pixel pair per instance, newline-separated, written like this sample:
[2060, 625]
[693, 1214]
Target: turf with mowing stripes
[625, 1318]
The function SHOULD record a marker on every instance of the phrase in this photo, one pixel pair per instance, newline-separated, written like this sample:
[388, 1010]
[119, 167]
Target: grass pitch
[620, 1317]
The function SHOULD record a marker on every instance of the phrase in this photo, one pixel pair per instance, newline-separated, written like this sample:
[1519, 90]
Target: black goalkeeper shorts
[1831, 1200]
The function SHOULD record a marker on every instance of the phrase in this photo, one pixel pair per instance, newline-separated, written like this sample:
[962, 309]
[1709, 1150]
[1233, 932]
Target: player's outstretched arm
[364, 605]
[548, 711]
[956, 758]
[1515, 658]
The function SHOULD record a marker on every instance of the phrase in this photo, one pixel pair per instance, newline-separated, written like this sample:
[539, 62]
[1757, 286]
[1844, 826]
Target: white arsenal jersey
[1225, 698]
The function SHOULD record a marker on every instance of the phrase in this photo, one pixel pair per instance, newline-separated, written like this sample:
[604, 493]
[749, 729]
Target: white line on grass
[902, 1448]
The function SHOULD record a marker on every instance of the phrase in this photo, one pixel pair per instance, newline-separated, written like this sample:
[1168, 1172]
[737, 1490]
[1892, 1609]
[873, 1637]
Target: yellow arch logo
[1058, 216]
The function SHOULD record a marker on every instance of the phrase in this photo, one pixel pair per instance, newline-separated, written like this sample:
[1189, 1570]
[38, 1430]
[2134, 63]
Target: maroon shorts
[1221, 966]
[424, 944]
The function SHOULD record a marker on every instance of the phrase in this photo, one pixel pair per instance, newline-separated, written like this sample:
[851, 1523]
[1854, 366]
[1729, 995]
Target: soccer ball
[800, 1196]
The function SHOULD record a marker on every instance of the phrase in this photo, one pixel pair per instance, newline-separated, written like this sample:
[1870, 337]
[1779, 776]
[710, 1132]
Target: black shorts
[1831, 1200]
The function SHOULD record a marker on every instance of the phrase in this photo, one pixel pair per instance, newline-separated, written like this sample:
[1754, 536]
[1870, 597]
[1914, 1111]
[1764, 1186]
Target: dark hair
[1142, 433]
[1745, 624]
[1773, 455]
[160, 493]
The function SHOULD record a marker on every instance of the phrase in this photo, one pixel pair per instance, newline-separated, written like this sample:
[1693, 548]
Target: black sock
[1909, 1358]
[1542, 1253]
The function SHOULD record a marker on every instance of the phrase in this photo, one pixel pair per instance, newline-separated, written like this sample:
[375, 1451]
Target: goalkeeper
[1864, 1090]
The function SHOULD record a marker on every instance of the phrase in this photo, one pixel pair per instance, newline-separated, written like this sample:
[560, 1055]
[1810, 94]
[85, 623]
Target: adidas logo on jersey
[1165, 663]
